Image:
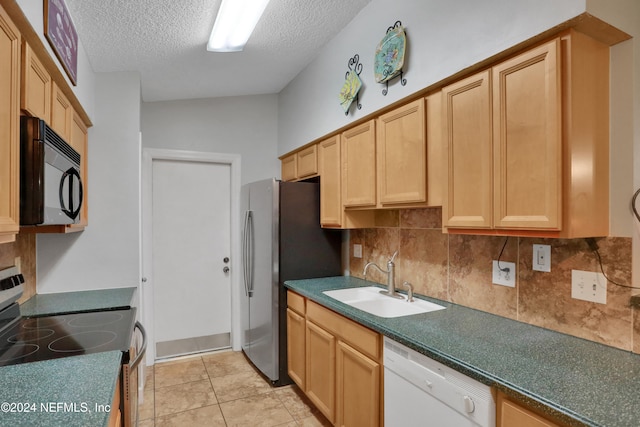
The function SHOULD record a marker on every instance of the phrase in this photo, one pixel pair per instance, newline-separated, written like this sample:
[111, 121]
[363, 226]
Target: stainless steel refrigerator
[281, 240]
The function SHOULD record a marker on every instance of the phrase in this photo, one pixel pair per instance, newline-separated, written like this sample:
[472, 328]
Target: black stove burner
[12, 354]
[31, 335]
[82, 341]
[42, 338]
[106, 318]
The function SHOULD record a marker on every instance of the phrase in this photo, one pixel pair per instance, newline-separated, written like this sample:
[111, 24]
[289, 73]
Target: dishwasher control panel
[417, 387]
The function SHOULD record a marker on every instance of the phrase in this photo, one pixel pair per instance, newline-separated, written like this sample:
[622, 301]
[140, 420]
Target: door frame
[148, 156]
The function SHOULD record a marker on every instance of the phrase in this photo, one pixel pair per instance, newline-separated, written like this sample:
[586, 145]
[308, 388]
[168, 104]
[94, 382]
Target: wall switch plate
[504, 278]
[357, 251]
[589, 286]
[542, 258]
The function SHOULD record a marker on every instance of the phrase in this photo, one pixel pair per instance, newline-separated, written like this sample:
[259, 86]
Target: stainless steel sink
[370, 299]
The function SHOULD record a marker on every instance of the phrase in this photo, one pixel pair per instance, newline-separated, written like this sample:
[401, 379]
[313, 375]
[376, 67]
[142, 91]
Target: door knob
[225, 270]
[225, 259]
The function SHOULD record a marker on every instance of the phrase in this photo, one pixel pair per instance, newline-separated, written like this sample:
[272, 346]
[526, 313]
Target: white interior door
[191, 246]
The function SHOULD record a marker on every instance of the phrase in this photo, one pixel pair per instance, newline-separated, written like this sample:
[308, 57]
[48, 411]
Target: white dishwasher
[418, 391]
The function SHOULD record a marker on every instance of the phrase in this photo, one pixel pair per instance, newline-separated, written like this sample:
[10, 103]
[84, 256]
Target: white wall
[245, 125]
[106, 253]
[444, 37]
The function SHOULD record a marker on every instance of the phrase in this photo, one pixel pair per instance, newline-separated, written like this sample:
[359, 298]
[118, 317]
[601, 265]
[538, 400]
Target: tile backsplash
[457, 268]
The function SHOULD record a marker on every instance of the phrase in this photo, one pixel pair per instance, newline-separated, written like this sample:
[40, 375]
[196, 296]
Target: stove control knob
[225, 259]
[225, 270]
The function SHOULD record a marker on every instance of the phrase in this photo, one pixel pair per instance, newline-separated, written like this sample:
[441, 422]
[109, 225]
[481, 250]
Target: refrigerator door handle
[246, 253]
[250, 243]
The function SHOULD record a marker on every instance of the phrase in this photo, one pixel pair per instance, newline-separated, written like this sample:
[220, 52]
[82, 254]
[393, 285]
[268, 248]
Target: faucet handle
[393, 256]
[409, 291]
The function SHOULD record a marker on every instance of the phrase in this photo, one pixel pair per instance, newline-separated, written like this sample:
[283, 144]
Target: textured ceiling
[165, 40]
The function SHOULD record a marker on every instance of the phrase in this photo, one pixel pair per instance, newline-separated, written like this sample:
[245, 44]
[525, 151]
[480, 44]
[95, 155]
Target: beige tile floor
[221, 389]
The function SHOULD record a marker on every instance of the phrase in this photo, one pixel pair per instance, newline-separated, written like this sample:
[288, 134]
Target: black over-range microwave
[50, 184]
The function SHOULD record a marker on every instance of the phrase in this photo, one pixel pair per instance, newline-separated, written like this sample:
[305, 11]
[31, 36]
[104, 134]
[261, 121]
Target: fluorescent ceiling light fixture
[234, 24]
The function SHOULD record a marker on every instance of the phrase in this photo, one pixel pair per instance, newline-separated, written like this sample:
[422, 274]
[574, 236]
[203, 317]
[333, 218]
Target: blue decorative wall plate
[389, 57]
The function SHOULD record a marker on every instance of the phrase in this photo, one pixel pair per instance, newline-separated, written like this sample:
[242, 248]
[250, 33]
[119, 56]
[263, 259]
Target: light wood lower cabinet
[343, 364]
[513, 414]
[115, 419]
[296, 343]
[358, 388]
[321, 370]
[9, 128]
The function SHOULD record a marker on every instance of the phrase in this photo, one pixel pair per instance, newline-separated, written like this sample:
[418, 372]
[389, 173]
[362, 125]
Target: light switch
[357, 251]
[542, 258]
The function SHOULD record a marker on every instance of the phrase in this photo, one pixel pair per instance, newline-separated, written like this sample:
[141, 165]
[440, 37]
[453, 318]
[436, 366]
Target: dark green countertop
[71, 302]
[79, 382]
[72, 391]
[580, 382]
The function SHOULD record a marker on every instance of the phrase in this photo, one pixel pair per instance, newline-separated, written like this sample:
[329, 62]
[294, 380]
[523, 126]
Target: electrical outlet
[589, 286]
[542, 258]
[503, 277]
[357, 251]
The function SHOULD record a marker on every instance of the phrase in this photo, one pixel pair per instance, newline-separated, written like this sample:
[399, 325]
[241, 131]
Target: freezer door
[261, 345]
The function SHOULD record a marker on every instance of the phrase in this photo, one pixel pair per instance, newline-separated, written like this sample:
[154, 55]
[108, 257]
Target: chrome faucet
[391, 276]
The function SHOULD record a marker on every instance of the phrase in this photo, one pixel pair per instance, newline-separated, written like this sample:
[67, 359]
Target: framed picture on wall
[62, 36]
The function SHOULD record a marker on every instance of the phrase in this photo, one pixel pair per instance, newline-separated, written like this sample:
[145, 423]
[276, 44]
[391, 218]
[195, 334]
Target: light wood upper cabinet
[468, 190]
[307, 162]
[527, 139]
[289, 168]
[527, 143]
[301, 164]
[36, 86]
[9, 128]
[402, 155]
[61, 113]
[359, 166]
[79, 141]
[331, 210]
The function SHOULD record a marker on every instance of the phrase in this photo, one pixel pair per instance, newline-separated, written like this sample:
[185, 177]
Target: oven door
[62, 188]
[130, 377]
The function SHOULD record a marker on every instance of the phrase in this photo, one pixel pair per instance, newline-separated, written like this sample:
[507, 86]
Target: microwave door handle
[70, 211]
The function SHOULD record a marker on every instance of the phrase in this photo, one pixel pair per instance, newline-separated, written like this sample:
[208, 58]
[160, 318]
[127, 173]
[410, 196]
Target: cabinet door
[36, 86]
[359, 166]
[402, 155]
[307, 160]
[9, 128]
[289, 172]
[296, 348]
[321, 370]
[61, 114]
[511, 414]
[79, 141]
[358, 391]
[468, 198]
[528, 140]
[330, 197]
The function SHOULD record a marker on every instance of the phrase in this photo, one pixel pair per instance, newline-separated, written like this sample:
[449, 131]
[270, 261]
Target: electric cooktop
[31, 339]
